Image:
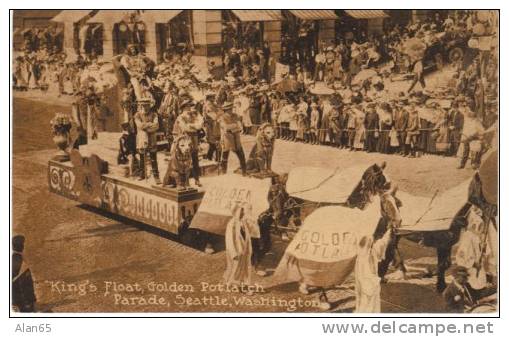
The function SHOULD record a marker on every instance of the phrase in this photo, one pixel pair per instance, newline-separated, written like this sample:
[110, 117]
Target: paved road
[74, 252]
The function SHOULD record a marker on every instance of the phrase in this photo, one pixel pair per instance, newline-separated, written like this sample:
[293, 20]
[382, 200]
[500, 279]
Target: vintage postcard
[255, 161]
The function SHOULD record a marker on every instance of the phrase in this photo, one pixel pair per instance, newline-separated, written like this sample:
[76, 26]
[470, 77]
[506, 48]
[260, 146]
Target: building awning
[366, 13]
[160, 16]
[156, 16]
[71, 15]
[258, 15]
[309, 14]
[111, 16]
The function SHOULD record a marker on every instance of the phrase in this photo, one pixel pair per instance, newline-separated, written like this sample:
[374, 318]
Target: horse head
[373, 182]
[389, 207]
[389, 211]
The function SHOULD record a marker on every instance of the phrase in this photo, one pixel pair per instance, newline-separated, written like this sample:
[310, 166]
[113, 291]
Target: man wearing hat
[457, 295]
[264, 101]
[211, 114]
[147, 124]
[456, 121]
[472, 138]
[231, 127]
[372, 125]
[168, 110]
[190, 123]
[400, 122]
[413, 131]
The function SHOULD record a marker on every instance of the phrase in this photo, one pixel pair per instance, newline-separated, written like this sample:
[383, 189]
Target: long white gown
[238, 252]
[367, 282]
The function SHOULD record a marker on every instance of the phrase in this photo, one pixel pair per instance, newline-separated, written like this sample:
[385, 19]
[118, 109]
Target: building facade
[107, 33]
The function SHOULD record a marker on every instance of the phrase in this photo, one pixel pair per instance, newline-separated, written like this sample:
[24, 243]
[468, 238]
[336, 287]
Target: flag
[222, 193]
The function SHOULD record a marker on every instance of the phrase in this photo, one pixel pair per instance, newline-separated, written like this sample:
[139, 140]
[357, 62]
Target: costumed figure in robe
[238, 248]
[134, 65]
[85, 111]
[367, 281]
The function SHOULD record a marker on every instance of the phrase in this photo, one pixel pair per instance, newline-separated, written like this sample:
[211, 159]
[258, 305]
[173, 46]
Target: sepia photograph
[276, 161]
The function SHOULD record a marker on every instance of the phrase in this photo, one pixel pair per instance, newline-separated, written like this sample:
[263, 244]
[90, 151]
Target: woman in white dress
[360, 130]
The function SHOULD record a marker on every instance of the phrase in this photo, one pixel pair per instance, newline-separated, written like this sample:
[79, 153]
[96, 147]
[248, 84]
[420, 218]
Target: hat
[459, 271]
[385, 106]
[403, 101]
[186, 103]
[227, 106]
[144, 101]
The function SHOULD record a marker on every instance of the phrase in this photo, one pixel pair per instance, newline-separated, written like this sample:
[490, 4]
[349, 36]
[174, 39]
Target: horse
[441, 240]
[373, 186]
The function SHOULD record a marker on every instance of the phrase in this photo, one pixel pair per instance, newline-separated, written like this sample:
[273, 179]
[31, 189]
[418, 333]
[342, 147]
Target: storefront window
[175, 35]
[130, 30]
[299, 42]
[238, 34]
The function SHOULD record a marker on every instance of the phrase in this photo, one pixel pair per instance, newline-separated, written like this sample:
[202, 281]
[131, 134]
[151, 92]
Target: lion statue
[260, 158]
[180, 164]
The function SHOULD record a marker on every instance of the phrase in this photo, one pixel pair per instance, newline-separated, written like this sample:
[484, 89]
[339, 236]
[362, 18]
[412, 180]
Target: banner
[222, 193]
[323, 252]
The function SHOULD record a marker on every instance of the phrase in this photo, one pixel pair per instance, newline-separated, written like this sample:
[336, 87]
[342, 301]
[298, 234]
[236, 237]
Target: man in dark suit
[457, 295]
[400, 124]
[456, 121]
[372, 125]
[23, 294]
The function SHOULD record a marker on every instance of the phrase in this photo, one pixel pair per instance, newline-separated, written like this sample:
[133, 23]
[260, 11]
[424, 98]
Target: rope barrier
[348, 129]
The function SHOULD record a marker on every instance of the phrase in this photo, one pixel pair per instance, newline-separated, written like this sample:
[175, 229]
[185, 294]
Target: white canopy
[326, 185]
[425, 214]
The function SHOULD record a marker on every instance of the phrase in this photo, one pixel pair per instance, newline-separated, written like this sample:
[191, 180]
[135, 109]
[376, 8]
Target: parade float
[91, 177]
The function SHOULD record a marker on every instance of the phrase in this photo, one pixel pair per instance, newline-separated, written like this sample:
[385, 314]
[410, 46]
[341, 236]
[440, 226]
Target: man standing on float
[231, 127]
[147, 124]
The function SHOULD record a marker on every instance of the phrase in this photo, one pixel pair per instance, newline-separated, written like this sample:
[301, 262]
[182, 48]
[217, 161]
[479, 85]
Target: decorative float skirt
[324, 250]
